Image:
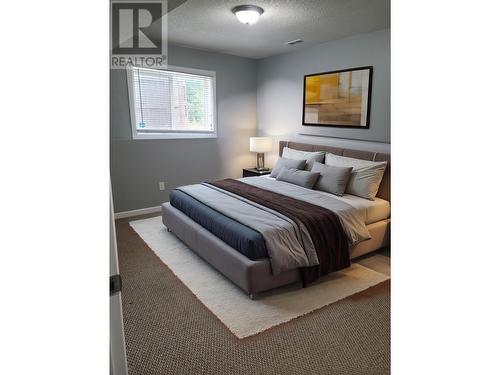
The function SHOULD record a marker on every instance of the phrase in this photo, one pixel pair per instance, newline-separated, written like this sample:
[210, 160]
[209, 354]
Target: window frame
[171, 134]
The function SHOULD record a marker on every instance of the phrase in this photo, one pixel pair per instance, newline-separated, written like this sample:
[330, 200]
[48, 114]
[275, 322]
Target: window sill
[173, 136]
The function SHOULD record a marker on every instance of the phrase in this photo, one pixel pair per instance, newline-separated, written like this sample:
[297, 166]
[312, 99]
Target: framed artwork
[340, 98]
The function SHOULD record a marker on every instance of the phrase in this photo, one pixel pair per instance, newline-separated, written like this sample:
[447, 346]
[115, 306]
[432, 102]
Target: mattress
[373, 211]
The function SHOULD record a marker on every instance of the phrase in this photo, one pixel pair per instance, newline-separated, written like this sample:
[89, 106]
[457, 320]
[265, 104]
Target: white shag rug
[245, 317]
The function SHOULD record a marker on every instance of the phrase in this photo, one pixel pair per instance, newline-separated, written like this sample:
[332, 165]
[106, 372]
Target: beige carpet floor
[245, 317]
[168, 331]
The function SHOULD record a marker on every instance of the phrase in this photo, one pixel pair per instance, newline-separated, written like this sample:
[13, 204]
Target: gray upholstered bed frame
[254, 276]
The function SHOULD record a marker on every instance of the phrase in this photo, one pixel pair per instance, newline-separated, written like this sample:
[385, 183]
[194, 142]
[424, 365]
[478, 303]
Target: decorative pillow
[297, 177]
[287, 163]
[332, 179]
[309, 157]
[365, 177]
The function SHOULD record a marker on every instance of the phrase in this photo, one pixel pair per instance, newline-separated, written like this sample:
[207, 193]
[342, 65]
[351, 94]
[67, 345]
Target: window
[174, 103]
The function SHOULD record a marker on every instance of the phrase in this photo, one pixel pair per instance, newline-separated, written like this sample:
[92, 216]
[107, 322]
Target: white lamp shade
[261, 144]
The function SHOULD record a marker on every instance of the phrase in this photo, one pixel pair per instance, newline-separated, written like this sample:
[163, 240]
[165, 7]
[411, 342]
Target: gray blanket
[289, 245]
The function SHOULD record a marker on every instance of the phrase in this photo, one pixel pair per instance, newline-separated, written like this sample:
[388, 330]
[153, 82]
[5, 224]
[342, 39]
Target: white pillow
[366, 175]
[309, 157]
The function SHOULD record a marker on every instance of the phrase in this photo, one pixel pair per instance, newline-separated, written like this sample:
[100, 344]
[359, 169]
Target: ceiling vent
[294, 42]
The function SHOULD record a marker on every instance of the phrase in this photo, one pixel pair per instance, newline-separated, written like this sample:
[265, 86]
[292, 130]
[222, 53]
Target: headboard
[384, 191]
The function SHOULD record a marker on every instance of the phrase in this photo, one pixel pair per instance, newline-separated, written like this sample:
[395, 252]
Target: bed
[239, 250]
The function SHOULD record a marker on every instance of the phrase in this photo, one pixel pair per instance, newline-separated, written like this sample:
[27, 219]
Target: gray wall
[280, 86]
[138, 165]
[267, 90]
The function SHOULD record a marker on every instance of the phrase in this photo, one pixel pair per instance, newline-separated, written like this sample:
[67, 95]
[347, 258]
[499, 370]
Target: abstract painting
[339, 98]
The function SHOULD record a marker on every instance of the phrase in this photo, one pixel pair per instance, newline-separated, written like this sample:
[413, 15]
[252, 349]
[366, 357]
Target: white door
[118, 356]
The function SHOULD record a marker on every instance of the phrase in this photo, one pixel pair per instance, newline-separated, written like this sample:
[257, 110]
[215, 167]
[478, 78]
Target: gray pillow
[297, 177]
[332, 179]
[365, 177]
[287, 163]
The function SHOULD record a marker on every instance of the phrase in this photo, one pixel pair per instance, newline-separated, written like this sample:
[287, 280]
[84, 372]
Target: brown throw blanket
[323, 225]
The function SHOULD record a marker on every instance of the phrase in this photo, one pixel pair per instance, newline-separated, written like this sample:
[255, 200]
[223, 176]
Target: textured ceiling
[210, 25]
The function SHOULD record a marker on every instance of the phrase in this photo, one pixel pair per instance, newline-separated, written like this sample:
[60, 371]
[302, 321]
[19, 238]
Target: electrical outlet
[162, 185]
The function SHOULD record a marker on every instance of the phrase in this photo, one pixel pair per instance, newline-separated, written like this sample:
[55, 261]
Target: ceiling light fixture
[248, 14]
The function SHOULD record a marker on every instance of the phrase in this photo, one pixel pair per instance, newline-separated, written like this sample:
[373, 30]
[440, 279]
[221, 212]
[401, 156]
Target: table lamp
[260, 145]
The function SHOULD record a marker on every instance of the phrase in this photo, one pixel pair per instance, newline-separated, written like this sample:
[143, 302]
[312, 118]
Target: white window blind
[168, 102]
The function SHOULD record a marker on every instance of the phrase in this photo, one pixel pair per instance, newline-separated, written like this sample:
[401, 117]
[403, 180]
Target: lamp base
[260, 161]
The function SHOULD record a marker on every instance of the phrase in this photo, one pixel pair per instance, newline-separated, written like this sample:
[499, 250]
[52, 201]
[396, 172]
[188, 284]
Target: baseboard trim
[141, 211]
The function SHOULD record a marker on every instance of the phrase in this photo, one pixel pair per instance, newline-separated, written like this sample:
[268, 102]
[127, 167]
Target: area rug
[241, 315]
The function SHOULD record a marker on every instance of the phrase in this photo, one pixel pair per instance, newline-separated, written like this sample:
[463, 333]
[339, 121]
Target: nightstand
[252, 172]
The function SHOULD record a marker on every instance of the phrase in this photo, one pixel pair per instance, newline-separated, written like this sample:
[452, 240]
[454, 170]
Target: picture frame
[338, 98]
